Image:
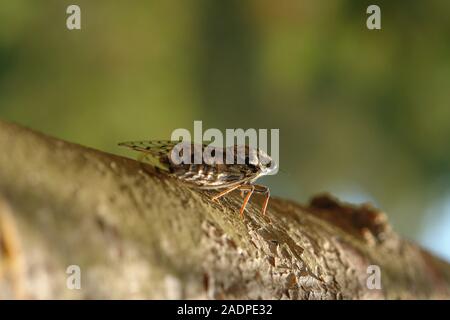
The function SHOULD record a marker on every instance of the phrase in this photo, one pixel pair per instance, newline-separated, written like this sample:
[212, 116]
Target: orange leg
[265, 190]
[226, 191]
[266, 202]
[250, 189]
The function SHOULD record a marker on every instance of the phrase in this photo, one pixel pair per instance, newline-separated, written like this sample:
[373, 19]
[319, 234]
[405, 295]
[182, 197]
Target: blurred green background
[362, 114]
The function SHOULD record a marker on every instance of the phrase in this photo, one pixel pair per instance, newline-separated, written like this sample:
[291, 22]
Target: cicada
[214, 174]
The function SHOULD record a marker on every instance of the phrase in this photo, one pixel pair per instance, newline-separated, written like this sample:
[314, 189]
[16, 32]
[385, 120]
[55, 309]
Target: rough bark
[136, 233]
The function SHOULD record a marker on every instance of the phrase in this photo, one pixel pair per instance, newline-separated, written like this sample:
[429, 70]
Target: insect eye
[269, 164]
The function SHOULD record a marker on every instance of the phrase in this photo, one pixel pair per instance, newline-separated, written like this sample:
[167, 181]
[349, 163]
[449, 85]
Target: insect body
[215, 173]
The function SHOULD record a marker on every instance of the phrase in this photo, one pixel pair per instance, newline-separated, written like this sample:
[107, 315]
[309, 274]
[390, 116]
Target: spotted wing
[154, 147]
[205, 176]
[154, 152]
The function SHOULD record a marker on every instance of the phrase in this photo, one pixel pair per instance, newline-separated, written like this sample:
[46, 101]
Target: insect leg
[263, 189]
[226, 191]
[250, 189]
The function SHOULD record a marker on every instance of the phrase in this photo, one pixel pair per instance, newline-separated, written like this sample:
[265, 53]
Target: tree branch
[136, 233]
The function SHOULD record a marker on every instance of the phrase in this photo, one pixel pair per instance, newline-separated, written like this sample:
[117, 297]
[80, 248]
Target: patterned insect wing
[154, 152]
[213, 173]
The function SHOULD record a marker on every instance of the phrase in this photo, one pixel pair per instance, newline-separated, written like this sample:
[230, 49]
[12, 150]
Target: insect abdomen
[199, 174]
[204, 175]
